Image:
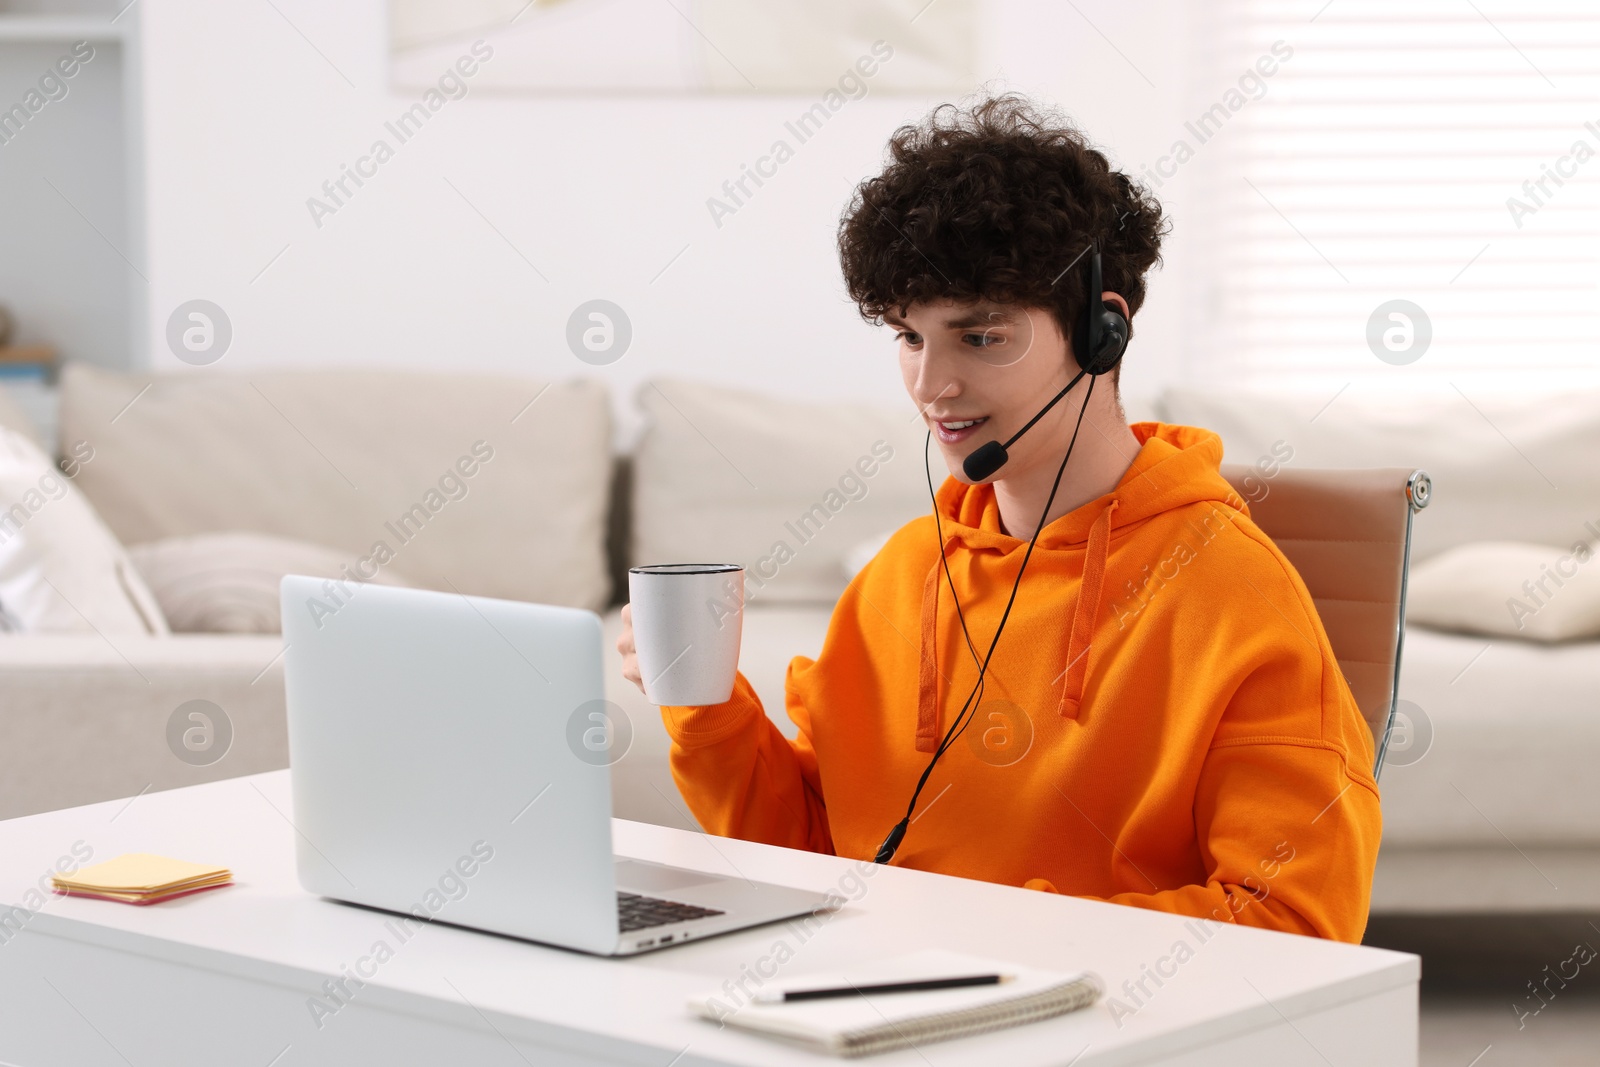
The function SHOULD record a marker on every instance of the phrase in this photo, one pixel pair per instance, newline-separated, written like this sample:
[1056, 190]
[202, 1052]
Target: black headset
[1099, 338]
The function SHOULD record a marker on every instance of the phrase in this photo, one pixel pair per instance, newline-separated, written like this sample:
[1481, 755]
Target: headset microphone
[986, 459]
[1099, 338]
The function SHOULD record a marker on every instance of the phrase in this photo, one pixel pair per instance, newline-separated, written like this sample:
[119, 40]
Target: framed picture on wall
[687, 46]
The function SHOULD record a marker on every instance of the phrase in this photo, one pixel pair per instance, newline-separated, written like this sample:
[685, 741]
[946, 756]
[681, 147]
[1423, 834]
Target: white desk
[225, 977]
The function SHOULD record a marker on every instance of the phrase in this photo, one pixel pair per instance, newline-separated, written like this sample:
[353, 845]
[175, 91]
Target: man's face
[997, 364]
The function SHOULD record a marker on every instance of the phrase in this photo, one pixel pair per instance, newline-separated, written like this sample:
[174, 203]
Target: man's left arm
[1289, 840]
[1285, 809]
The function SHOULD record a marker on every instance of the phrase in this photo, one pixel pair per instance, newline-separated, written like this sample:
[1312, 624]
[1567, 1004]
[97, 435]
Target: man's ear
[1108, 297]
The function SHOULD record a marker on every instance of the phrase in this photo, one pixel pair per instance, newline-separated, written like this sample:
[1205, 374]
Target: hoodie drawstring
[928, 669]
[1086, 615]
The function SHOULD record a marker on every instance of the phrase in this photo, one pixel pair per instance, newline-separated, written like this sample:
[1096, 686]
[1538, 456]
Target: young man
[1162, 723]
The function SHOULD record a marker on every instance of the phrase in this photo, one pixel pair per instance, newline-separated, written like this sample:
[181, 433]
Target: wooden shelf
[11, 355]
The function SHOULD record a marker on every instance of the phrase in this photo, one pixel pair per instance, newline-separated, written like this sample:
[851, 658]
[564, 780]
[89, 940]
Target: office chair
[1348, 533]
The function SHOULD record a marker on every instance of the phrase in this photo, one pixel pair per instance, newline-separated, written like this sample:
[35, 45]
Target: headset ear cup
[1101, 333]
[1113, 341]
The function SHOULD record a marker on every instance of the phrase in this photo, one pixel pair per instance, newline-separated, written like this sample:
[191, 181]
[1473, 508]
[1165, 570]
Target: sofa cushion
[785, 487]
[1509, 589]
[1503, 469]
[1495, 743]
[460, 481]
[61, 570]
[228, 582]
[87, 721]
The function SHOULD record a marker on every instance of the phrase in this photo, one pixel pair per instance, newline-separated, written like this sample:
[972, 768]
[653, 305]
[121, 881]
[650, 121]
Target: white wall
[244, 121]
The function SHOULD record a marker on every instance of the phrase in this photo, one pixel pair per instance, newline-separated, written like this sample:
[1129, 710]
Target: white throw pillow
[12, 417]
[785, 487]
[228, 582]
[60, 568]
[1509, 589]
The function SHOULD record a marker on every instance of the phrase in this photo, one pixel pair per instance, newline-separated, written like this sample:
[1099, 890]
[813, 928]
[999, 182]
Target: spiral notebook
[869, 1023]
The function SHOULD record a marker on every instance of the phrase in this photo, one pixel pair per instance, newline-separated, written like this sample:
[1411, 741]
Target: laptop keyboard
[638, 912]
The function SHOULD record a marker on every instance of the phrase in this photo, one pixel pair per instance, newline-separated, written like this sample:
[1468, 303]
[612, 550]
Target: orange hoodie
[1163, 724]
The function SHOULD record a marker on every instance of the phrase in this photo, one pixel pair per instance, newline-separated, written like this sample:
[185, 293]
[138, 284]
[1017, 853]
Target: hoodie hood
[1176, 466]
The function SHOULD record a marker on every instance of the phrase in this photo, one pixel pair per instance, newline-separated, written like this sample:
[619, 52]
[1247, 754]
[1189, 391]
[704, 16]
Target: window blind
[1440, 152]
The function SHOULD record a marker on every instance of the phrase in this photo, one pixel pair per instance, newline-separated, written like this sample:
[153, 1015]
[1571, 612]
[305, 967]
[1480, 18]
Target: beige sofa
[1496, 813]
[336, 458]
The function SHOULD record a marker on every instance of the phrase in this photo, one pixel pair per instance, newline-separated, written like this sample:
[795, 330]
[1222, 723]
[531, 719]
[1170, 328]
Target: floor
[1478, 1009]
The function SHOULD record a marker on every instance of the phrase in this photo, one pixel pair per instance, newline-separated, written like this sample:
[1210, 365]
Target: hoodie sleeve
[742, 778]
[1285, 808]
[1288, 838]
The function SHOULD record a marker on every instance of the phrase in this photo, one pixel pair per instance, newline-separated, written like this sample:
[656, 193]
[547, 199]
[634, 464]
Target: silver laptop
[450, 761]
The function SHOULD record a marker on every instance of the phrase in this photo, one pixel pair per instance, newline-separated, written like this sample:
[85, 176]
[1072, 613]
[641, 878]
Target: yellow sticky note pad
[141, 873]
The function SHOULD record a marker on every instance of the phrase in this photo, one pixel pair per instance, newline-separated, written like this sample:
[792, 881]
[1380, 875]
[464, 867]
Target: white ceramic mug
[687, 621]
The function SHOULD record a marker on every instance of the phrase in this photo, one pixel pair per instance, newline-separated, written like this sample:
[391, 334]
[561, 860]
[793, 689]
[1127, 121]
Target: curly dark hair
[993, 202]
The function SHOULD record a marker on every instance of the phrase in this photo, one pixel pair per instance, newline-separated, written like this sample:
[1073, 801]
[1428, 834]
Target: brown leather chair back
[1348, 534]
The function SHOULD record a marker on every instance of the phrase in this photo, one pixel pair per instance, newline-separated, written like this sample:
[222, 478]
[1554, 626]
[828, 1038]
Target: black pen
[886, 987]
